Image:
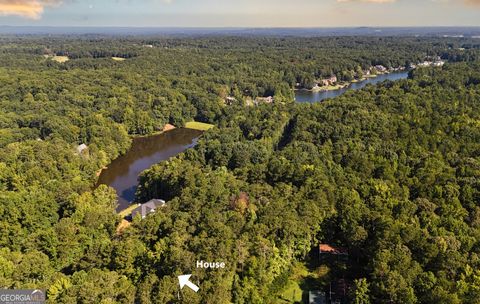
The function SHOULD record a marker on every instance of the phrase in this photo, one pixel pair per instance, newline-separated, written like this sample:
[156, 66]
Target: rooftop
[149, 207]
[325, 248]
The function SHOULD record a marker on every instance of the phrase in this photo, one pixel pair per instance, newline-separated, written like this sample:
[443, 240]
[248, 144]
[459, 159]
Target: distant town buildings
[453, 36]
[435, 63]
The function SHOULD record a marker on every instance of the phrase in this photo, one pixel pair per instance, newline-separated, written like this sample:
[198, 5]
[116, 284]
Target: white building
[82, 148]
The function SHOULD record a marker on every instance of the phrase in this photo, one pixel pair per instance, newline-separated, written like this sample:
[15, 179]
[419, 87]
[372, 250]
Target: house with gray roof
[147, 208]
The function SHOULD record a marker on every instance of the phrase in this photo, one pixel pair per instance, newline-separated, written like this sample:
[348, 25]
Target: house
[381, 68]
[229, 100]
[327, 251]
[82, 148]
[333, 79]
[149, 207]
[329, 81]
[425, 64]
[260, 100]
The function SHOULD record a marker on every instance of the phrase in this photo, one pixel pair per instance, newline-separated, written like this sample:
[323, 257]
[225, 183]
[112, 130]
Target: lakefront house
[329, 81]
[147, 208]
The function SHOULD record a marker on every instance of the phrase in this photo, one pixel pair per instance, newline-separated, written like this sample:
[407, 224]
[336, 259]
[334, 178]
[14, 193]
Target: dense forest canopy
[390, 172]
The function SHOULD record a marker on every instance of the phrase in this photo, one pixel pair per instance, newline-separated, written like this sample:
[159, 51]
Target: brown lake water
[122, 174]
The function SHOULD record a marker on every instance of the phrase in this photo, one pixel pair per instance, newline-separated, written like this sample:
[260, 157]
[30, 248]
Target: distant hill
[307, 32]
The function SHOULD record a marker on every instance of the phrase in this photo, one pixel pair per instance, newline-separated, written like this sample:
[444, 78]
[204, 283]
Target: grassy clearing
[118, 59]
[60, 59]
[127, 211]
[124, 224]
[330, 87]
[292, 293]
[334, 87]
[304, 278]
[198, 126]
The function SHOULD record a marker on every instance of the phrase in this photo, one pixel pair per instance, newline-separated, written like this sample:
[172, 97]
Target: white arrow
[184, 280]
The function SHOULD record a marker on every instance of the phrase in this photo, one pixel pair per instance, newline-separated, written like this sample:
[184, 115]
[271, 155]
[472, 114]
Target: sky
[240, 13]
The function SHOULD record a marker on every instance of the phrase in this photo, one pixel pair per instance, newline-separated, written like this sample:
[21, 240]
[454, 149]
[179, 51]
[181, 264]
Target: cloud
[31, 9]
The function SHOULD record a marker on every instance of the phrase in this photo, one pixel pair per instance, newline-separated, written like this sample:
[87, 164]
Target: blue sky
[240, 13]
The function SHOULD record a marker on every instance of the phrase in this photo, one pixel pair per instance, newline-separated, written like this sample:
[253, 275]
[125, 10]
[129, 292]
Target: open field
[292, 293]
[124, 224]
[127, 211]
[304, 278]
[198, 126]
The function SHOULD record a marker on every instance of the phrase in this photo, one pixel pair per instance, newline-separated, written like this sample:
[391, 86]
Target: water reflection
[122, 174]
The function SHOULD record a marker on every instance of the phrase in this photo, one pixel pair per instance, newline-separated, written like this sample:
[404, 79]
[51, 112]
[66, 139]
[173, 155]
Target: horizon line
[243, 27]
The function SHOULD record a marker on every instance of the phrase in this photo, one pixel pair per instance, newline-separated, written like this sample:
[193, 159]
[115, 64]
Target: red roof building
[327, 249]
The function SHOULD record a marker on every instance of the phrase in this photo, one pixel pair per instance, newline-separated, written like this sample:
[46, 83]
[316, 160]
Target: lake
[122, 174]
[309, 96]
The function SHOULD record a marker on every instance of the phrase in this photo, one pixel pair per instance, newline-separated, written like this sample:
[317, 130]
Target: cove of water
[122, 174]
[309, 96]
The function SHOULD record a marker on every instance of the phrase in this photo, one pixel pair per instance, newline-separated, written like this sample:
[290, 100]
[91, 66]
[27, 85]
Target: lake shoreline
[100, 171]
[177, 143]
[166, 128]
[346, 84]
[145, 151]
[318, 95]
